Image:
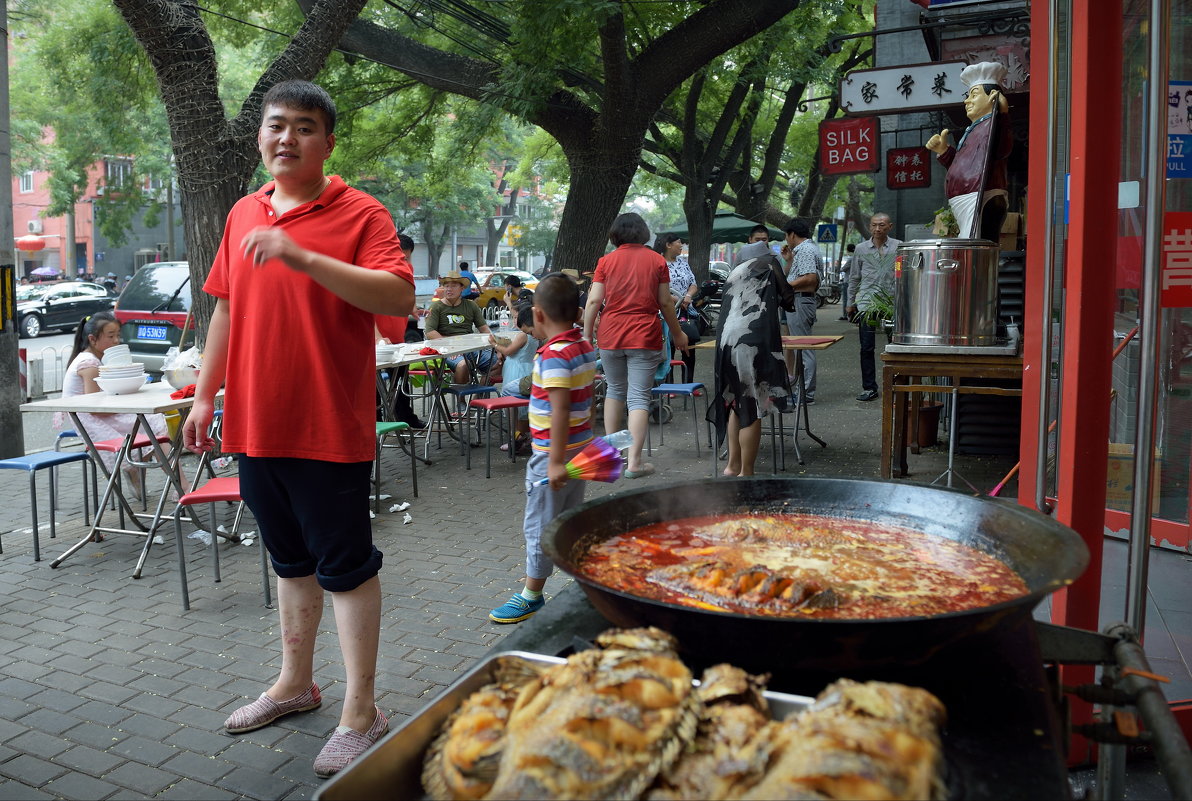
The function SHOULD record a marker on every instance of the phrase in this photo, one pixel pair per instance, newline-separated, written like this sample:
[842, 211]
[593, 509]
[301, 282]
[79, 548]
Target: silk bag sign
[848, 145]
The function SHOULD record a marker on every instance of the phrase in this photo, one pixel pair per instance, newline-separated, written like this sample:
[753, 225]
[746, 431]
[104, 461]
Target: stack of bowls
[119, 375]
[387, 353]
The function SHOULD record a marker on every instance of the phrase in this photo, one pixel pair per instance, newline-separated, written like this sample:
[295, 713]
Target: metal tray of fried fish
[393, 767]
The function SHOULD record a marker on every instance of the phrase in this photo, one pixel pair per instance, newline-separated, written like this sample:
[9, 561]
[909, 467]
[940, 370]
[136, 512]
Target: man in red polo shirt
[304, 264]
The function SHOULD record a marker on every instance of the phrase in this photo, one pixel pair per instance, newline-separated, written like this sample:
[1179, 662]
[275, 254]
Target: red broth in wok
[800, 566]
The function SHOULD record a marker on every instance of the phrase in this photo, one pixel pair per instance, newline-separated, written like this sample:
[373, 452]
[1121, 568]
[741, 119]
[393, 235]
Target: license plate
[152, 332]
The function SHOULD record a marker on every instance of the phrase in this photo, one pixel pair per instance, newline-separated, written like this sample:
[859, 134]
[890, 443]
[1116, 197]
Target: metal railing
[45, 370]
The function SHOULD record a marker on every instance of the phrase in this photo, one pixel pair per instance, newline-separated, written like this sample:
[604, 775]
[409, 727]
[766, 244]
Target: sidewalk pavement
[109, 690]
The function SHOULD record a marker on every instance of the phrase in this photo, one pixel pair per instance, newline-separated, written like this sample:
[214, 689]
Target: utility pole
[12, 433]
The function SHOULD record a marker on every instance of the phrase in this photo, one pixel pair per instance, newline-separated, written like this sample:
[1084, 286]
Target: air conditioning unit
[35, 226]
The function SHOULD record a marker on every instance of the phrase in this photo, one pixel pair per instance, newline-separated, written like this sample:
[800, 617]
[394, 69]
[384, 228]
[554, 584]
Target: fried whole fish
[733, 711]
[868, 740]
[603, 725]
[462, 761]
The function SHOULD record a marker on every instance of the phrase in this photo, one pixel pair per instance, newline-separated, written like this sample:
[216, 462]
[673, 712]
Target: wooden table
[150, 399]
[897, 374]
[796, 343]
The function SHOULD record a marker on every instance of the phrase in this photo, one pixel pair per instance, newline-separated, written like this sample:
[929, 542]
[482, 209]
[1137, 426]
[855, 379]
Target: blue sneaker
[516, 609]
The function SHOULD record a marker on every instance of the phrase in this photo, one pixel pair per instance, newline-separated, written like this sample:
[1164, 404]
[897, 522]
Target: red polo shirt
[301, 367]
[629, 320]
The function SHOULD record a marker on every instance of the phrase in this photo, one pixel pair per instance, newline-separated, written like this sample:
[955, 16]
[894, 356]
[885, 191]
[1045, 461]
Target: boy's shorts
[542, 506]
[313, 518]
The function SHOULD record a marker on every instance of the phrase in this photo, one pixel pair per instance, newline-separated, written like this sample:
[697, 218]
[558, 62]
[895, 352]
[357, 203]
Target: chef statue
[976, 184]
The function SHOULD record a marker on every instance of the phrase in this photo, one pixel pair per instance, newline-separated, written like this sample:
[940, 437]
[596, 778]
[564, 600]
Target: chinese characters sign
[848, 146]
[1179, 129]
[908, 88]
[908, 168]
[1175, 286]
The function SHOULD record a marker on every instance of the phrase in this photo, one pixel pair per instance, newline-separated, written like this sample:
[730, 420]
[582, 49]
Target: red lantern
[31, 243]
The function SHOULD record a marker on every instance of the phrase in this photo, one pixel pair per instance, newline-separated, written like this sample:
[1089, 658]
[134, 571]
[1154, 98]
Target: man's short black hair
[850, 247]
[759, 229]
[302, 95]
[558, 297]
[406, 241]
[513, 281]
[629, 229]
[799, 228]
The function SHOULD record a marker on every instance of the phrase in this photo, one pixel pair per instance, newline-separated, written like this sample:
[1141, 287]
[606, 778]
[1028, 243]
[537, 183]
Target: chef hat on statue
[984, 72]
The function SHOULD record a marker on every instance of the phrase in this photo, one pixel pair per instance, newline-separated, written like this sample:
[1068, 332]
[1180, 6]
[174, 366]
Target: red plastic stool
[113, 446]
[215, 490]
[670, 374]
[508, 403]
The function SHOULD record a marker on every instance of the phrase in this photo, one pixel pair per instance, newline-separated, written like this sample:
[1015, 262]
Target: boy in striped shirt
[560, 427]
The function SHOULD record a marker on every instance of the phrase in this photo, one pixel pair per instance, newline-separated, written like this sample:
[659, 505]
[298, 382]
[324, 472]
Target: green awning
[728, 226]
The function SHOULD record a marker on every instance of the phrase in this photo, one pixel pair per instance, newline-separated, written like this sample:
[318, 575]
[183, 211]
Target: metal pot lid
[975, 244]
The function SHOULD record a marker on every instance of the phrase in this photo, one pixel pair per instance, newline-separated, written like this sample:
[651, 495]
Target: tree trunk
[434, 244]
[699, 212]
[204, 213]
[215, 157]
[495, 229]
[597, 191]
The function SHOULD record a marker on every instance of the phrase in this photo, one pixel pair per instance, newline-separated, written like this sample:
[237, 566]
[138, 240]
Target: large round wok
[1046, 554]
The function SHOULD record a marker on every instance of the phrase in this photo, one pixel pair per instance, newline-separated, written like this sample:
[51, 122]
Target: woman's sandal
[647, 470]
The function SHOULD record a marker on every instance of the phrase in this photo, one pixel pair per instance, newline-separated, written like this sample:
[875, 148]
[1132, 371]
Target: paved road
[109, 690]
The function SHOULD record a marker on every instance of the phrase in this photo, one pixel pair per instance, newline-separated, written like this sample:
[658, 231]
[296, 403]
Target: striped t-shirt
[567, 360]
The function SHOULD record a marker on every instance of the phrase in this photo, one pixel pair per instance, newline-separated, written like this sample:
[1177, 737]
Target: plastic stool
[508, 403]
[32, 462]
[385, 430]
[59, 444]
[685, 391]
[465, 393]
[223, 488]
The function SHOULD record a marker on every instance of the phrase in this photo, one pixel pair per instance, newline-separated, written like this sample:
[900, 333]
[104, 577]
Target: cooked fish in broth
[805, 566]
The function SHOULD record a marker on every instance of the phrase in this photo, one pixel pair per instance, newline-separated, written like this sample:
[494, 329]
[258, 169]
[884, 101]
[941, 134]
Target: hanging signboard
[1175, 286]
[848, 146]
[1179, 129]
[897, 89]
[908, 168]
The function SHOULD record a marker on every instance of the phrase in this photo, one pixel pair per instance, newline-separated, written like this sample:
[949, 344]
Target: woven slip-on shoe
[346, 744]
[516, 609]
[265, 710]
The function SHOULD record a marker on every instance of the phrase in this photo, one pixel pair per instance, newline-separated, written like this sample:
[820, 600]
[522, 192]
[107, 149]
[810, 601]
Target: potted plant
[880, 313]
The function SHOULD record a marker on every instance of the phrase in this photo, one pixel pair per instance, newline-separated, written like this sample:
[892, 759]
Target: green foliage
[880, 311]
[82, 91]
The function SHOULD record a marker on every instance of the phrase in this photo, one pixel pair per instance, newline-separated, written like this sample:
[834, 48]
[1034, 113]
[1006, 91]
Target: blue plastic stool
[50, 460]
[663, 391]
[464, 395]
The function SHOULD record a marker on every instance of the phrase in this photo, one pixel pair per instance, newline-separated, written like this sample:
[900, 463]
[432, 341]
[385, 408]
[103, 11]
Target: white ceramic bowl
[121, 386]
[125, 370]
[117, 355]
[181, 377]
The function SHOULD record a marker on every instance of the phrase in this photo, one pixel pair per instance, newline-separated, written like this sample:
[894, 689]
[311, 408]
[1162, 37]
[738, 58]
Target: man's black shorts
[313, 517]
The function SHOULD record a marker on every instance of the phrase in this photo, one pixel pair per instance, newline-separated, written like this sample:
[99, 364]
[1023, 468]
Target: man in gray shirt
[802, 259]
[872, 275]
